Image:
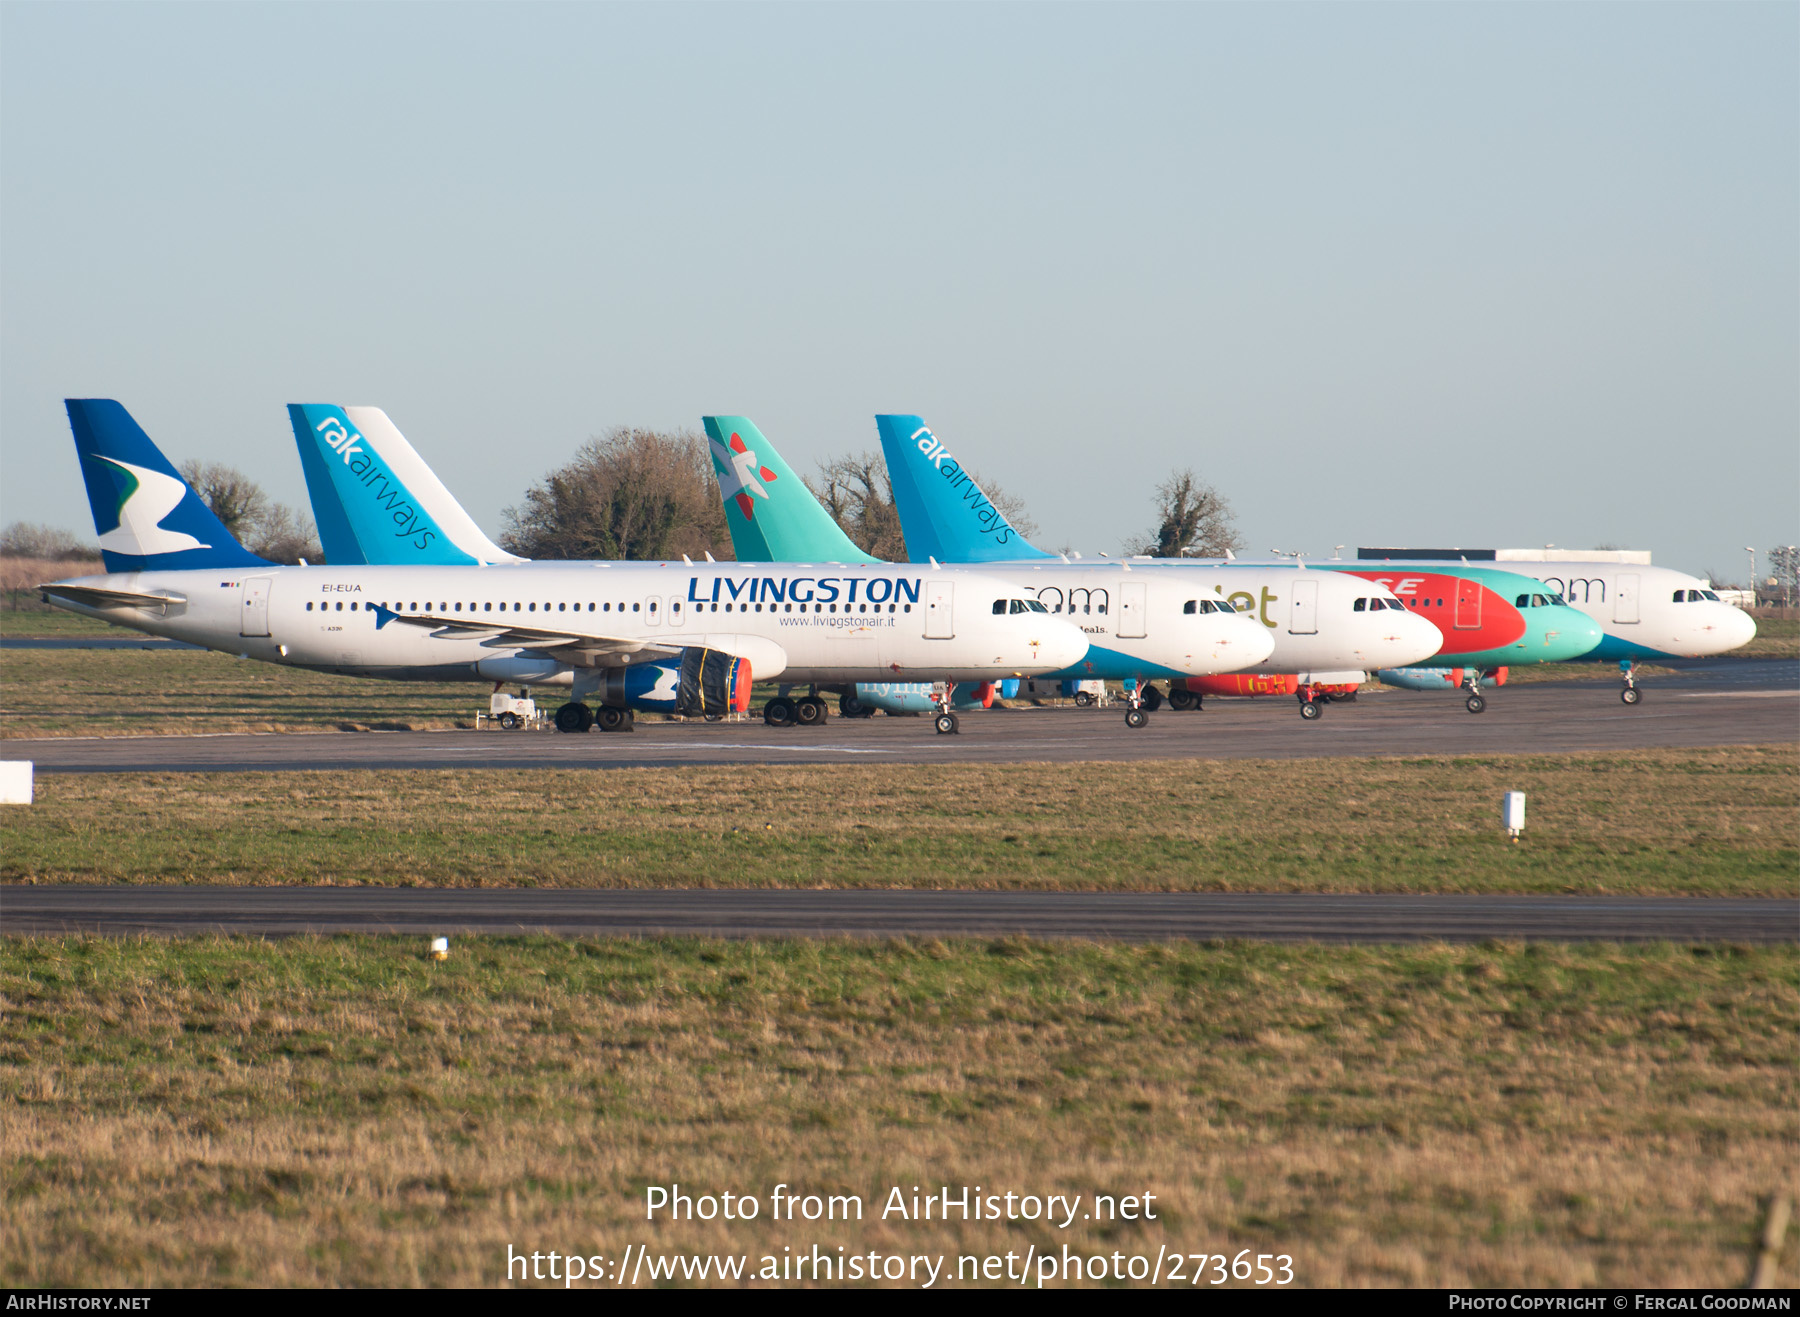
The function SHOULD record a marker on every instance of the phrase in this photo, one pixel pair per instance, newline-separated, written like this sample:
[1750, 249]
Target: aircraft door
[254, 619]
[1303, 618]
[1131, 610]
[653, 611]
[1625, 597]
[940, 602]
[1468, 604]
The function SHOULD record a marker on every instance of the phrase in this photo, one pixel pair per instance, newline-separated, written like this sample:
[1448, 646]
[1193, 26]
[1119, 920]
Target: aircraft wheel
[1311, 709]
[809, 712]
[946, 724]
[1476, 703]
[1631, 695]
[1083, 698]
[510, 721]
[574, 717]
[1181, 698]
[612, 719]
[779, 712]
[1136, 718]
[851, 707]
[1153, 698]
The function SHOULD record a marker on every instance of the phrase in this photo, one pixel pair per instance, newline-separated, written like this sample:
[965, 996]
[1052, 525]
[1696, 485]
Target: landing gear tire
[1631, 695]
[946, 724]
[1475, 703]
[611, 719]
[1153, 698]
[851, 707]
[1311, 709]
[1136, 718]
[511, 721]
[810, 712]
[574, 717]
[779, 712]
[1181, 699]
[1083, 698]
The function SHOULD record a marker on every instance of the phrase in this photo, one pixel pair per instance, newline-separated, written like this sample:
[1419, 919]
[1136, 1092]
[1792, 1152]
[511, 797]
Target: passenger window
[634, 608]
[1101, 609]
[309, 606]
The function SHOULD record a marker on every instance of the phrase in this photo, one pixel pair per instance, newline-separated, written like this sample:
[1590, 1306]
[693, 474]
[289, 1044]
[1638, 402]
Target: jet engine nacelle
[700, 682]
[1435, 679]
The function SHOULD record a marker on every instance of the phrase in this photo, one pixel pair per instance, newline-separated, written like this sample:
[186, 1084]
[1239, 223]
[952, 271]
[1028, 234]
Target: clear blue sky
[1431, 274]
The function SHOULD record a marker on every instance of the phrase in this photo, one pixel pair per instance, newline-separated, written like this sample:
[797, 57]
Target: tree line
[650, 495]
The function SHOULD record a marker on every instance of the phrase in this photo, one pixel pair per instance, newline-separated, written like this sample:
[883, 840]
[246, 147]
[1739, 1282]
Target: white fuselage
[1647, 612]
[801, 623]
[1307, 617]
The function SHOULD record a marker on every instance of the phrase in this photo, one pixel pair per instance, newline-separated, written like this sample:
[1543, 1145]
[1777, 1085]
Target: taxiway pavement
[1128, 916]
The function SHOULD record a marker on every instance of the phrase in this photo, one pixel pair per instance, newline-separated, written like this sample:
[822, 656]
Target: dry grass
[48, 692]
[343, 1112]
[1718, 822]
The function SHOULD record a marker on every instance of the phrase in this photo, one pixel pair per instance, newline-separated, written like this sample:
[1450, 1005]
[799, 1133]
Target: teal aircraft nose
[1557, 634]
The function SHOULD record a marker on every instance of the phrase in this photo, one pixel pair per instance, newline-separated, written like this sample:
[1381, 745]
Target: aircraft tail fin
[373, 497]
[148, 517]
[943, 513]
[772, 515]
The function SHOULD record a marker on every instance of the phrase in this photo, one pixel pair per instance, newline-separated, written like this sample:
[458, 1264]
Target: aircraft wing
[569, 645]
[95, 597]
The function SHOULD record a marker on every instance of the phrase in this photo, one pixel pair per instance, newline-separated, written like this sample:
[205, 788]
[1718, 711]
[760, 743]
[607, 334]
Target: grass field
[1716, 822]
[344, 1112]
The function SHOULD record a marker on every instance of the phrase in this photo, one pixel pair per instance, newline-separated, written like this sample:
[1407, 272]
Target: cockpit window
[1538, 601]
[999, 608]
[1191, 607]
[1523, 601]
[1360, 606]
[1223, 607]
[1559, 601]
[1712, 596]
[1034, 606]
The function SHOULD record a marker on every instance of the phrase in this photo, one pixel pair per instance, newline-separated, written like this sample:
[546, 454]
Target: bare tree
[235, 499]
[1194, 520]
[282, 535]
[642, 494]
[268, 529]
[856, 491]
[27, 539]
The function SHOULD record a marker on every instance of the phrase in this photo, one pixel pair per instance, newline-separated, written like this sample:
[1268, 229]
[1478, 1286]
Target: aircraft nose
[1419, 640]
[1739, 629]
[1570, 634]
[1065, 646]
[1252, 642]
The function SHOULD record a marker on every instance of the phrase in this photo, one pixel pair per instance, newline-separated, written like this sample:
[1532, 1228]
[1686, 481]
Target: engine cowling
[700, 682]
[1435, 679]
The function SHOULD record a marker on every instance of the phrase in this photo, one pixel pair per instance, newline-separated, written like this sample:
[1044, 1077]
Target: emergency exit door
[254, 620]
[1303, 617]
[940, 602]
[1468, 604]
[1131, 610]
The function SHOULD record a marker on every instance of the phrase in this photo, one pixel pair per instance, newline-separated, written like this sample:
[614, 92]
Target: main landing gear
[1181, 699]
[1628, 671]
[577, 717]
[807, 711]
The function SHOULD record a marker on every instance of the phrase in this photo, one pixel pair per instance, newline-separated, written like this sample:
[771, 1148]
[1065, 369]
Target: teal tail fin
[773, 516]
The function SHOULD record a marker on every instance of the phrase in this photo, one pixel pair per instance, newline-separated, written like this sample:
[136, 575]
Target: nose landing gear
[1312, 702]
[1139, 702]
[1472, 680]
[945, 721]
[1628, 672]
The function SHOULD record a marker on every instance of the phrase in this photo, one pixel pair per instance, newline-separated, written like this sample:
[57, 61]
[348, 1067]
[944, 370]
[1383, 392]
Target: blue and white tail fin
[373, 497]
[943, 513]
[148, 517]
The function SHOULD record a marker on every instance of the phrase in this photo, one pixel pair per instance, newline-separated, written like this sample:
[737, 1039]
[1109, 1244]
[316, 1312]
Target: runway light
[1512, 813]
[440, 948]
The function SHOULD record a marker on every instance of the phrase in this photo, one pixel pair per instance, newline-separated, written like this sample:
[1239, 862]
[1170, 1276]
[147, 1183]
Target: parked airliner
[679, 638]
